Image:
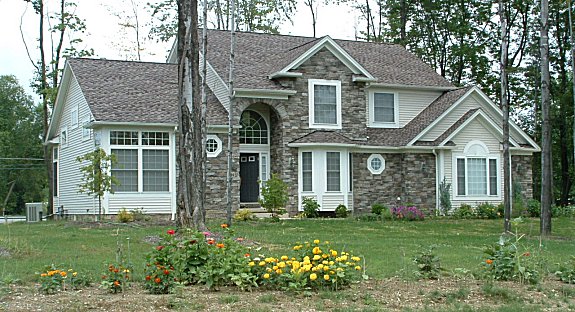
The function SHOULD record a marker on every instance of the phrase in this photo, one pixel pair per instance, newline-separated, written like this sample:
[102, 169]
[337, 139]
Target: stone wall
[522, 174]
[409, 177]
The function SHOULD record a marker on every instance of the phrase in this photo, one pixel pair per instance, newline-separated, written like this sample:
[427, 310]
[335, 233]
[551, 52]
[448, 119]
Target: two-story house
[344, 122]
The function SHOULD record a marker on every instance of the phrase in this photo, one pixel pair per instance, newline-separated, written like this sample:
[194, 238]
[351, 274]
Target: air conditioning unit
[34, 212]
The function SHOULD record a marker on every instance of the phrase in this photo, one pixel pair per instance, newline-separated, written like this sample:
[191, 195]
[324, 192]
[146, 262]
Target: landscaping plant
[444, 197]
[566, 272]
[116, 278]
[408, 213]
[428, 264]
[310, 207]
[53, 279]
[274, 196]
[341, 211]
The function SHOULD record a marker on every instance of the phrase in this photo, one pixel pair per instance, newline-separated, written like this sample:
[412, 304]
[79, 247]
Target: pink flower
[206, 233]
[171, 232]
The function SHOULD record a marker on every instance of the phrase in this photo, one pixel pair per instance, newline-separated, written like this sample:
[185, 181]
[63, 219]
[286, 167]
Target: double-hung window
[307, 171]
[333, 171]
[142, 161]
[324, 103]
[477, 172]
[383, 109]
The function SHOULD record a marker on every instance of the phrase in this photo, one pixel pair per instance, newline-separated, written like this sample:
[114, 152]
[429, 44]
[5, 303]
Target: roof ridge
[119, 61]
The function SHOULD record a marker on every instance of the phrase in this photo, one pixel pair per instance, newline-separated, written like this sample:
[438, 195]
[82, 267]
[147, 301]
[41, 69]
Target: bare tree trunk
[191, 153]
[137, 28]
[310, 4]
[571, 40]
[231, 112]
[505, 108]
[546, 168]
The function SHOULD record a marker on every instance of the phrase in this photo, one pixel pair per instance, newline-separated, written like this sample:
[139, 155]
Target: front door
[249, 174]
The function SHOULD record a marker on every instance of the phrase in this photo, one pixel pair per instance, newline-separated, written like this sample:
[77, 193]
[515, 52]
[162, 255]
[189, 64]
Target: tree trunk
[505, 109]
[230, 113]
[190, 195]
[546, 168]
[572, 70]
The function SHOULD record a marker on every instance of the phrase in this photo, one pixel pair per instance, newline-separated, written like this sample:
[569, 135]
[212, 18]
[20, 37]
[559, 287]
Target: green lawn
[388, 247]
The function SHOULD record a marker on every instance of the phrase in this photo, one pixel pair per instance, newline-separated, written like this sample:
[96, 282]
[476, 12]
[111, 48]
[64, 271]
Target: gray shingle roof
[122, 91]
[259, 55]
[322, 137]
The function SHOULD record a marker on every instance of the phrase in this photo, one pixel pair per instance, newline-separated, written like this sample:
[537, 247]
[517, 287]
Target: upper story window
[213, 145]
[324, 103]
[383, 109]
[253, 129]
[155, 138]
[64, 137]
[477, 171]
[124, 137]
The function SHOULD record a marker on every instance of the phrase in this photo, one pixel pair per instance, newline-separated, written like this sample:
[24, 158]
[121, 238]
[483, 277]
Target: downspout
[436, 182]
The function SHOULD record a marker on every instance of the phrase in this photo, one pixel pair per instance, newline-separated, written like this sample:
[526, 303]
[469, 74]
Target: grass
[388, 247]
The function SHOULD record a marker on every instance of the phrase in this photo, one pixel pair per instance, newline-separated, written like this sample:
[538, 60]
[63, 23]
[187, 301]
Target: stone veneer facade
[522, 174]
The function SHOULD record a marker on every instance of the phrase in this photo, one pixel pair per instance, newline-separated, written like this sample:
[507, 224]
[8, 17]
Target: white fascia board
[100, 124]
[281, 74]
[382, 149]
[333, 47]
[511, 123]
[411, 87]
[173, 52]
[60, 100]
[321, 145]
[437, 120]
[263, 93]
[486, 120]
[363, 79]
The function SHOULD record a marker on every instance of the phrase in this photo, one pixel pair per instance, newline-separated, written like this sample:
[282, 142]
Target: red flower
[211, 241]
[171, 232]
[166, 272]
[247, 255]
[148, 277]
[116, 283]
[158, 280]
[158, 248]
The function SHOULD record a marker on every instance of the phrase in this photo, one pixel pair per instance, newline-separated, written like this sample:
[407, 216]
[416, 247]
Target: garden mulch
[393, 294]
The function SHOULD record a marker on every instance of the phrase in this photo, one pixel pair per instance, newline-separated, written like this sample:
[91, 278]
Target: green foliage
[116, 278]
[244, 215]
[139, 214]
[310, 207]
[487, 211]
[159, 279]
[444, 197]
[341, 211]
[428, 264]
[95, 178]
[563, 211]
[378, 208]
[534, 208]
[508, 259]
[566, 272]
[20, 137]
[53, 280]
[125, 216]
[464, 211]
[274, 196]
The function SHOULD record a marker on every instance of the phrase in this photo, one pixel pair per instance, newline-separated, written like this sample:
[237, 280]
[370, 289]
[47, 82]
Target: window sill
[324, 126]
[383, 125]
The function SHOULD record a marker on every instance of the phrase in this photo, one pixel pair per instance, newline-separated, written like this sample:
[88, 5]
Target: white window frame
[469, 153]
[74, 118]
[371, 113]
[64, 137]
[311, 87]
[301, 171]
[86, 132]
[373, 170]
[56, 170]
[218, 149]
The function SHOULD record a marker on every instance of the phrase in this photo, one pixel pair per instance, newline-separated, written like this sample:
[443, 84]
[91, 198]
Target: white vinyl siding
[324, 103]
[383, 109]
[409, 103]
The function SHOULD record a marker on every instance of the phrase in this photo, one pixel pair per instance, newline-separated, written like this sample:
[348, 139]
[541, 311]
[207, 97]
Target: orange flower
[166, 272]
[247, 255]
[158, 280]
[224, 225]
[220, 245]
[116, 283]
[148, 277]
[489, 261]
[211, 241]
[116, 270]
[63, 274]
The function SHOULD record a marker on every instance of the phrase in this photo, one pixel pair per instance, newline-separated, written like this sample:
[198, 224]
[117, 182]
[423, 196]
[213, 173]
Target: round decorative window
[213, 145]
[375, 163]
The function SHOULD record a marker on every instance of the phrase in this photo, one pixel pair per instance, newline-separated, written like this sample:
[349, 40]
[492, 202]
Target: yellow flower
[356, 259]
[334, 253]
[251, 263]
[316, 250]
[326, 268]
[75, 274]
[275, 267]
[284, 258]
[357, 268]
[320, 266]
[282, 265]
[43, 274]
[343, 258]
[297, 247]
[324, 256]
[262, 263]
[296, 265]
[326, 277]
[325, 262]
[266, 276]
[269, 270]
[279, 271]
[313, 277]
[316, 257]
[331, 263]
[316, 241]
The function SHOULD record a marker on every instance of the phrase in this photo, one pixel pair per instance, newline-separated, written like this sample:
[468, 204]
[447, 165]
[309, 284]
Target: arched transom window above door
[253, 129]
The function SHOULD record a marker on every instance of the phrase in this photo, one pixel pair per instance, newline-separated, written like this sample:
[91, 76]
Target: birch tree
[191, 129]
[505, 109]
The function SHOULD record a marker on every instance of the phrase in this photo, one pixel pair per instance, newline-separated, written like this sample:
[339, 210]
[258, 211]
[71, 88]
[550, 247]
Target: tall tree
[191, 133]
[48, 68]
[505, 109]
[546, 168]
[231, 114]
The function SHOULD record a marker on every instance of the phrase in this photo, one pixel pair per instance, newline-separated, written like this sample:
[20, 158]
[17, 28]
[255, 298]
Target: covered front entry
[249, 173]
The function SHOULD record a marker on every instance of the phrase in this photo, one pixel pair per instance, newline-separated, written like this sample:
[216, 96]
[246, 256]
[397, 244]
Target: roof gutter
[263, 93]
[99, 124]
[401, 86]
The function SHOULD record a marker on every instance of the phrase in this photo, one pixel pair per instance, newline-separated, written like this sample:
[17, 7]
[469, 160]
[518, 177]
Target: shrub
[139, 214]
[487, 210]
[274, 196]
[563, 211]
[341, 211]
[244, 215]
[53, 279]
[409, 213]
[444, 197]
[464, 211]
[116, 279]
[125, 216]
[310, 207]
[534, 208]
[378, 208]
[428, 264]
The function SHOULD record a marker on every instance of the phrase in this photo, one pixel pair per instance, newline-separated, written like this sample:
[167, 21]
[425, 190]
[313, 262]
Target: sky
[108, 40]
